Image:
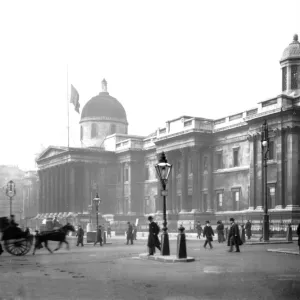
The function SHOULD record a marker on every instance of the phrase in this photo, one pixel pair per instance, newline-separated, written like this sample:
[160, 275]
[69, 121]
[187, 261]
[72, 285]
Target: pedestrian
[226, 233]
[134, 231]
[220, 231]
[80, 234]
[243, 237]
[234, 236]
[248, 229]
[153, 241]
[199, 230]
[99, 236]
[109, 231]
[298, 233]
[129, 234]
[208, 233]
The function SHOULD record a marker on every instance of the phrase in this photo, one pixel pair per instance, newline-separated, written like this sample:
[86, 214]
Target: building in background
[217, 164]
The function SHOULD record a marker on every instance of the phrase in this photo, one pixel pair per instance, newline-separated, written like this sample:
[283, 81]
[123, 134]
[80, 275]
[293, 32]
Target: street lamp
[163, 169]
[265, 150]
[10, 192]
[97, 202]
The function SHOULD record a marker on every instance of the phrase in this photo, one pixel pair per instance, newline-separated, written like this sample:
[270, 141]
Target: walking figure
[243, 238]
[248, 229]
[220, 232]
[208, 233]
[234, 236]
[153, 241]
[99, 236]
[199, 230]
[129, 234]
[80, 234]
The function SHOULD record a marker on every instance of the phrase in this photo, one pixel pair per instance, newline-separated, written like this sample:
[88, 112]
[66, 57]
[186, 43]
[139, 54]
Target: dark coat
[129, 232]
[153, 240]
[235, 232]
[199, 228]
[298, 233]
[248, 229]
[80, 232]
[99, 234]
[220, 228]
[208, 232]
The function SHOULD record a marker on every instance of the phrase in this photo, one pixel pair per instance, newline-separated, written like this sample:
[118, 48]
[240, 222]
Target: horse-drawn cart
[15, 241]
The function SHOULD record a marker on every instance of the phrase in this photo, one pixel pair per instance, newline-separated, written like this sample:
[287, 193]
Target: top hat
[231, 219]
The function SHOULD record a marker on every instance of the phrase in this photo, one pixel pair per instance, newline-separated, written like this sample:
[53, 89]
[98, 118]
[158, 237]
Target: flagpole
[68, 106]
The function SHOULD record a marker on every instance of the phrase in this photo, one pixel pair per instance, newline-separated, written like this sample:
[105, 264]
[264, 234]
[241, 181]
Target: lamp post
[90, 209]
[10, 192]
[163, 169]
[97, 201]
[265, 150]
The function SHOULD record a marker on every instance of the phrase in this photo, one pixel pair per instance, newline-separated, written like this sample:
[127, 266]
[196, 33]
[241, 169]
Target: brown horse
[54, 235]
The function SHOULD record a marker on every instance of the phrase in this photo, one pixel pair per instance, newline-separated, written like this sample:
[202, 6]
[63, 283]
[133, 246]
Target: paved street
[115, 272]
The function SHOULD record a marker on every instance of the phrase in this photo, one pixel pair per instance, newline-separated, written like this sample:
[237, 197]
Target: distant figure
[248, 229]
[199, 230]
[208, 233]
[298, 233]
[134, 231]
[109, 231]
[80, 234]
[234, 236]
[220, 232]
[129, 234]
[243, 237]
[98, 236]
[153, 241]
[56, 224]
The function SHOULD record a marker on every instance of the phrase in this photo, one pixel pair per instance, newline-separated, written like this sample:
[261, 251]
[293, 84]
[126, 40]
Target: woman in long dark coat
[153, 240]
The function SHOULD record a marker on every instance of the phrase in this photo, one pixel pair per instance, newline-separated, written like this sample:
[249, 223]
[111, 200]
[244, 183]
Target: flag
[75, 98]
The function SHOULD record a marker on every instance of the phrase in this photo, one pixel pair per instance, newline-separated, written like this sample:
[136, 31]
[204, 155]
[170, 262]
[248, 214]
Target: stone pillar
[210, 186]
[56, 193]
[280, 194]
[292, 168]
[66, 206]
[72, 188]
[61, 189]
[47, 191]
[195, 170]
[40, 199]
[259, 191]
[252, 172]
[51, 204]
[122, 200]
[200, 181]
[173, 190]
[86, 187]
[184, 185]
[170, 185]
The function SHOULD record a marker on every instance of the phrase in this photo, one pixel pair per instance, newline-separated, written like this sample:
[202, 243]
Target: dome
[104, 106]
[292, 51]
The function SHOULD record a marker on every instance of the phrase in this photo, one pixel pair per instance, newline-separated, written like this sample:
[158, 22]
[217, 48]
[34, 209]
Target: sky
[161, 59]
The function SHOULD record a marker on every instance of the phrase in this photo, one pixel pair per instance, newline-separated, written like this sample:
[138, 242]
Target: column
[56, 193]
[173, 190]
[72, 188]
[200, 181]
[259, 195]
[122, 200]
[48, 203]
[210, 200]
[280, 195]
[86, 188]
[170, 185]
[252, 172]
[66, 206]
[61, 189]
[292, 168]
[184, 186]
[195, 164]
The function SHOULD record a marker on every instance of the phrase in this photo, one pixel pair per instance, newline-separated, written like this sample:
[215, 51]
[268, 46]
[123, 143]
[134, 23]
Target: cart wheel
[17, 247]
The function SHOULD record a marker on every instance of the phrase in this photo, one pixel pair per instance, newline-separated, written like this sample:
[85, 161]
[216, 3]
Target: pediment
[51, 151]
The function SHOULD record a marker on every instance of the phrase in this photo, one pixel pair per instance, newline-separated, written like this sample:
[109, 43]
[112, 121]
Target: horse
[54, 235]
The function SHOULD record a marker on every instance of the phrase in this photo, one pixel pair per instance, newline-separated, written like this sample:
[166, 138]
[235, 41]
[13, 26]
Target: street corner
[167, 259]
[285, 251]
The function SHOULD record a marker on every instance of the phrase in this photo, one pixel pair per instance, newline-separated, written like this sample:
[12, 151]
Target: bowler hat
[150, 218]
[231, 219]
[207, 222]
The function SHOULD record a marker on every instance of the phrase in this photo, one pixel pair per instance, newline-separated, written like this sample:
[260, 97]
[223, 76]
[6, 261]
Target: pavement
[116, 271]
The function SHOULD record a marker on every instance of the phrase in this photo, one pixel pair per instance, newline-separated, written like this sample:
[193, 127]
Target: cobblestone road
[115, 272]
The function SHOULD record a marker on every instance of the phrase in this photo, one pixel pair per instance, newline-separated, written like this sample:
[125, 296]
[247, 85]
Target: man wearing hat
[99, 236]
[80, 234]
[234, 236]
[208, 233]
[153, 241]
[129, 234]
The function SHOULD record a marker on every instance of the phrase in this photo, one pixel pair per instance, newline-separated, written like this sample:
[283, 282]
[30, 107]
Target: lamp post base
[165, 246]
[266, 228]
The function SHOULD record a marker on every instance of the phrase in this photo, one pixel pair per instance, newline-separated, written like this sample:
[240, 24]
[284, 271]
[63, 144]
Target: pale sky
[161, 59]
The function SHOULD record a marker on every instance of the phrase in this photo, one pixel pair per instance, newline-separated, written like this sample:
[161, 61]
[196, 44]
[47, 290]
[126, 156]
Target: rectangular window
[147, 175]
[219, 160]
[236, 198]
[205, 163]
[271, 196]
[220, 200]
[126, 174]
[235, 157]
[271, 150]
[284, 78]
[294, 77]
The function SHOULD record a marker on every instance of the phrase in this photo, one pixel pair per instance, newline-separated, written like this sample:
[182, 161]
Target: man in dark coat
[298, 233]
[220, 232]
[80, 234]
[99, 236]
[129, 234]
[248, 229]
[234, 236]
[153, 240]
[208, 233]
[199, 230]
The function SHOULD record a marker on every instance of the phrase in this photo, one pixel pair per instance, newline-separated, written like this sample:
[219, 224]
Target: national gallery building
[217, 164]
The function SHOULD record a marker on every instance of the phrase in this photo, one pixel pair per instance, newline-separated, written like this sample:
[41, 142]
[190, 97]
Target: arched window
[112, 128]
[94, 130]
[81, 133]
